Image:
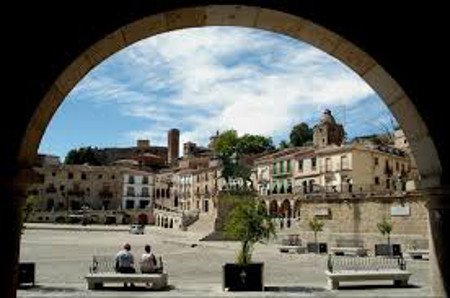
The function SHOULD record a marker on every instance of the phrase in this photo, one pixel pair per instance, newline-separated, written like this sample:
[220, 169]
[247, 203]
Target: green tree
[253, 144]
[28, 208]
[226, 142]
[249, 223]
[229, 142]
[283, 144]
[385, 228]
[316, 226]
[300, 134]
[84, 155]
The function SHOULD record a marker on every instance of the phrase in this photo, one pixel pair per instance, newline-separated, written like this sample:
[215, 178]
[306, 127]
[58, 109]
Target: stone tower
[328, 132]
[173, 145]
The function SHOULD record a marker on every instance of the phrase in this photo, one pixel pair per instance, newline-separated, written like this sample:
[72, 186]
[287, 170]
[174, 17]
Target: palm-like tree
[385, 228]
[316, 226]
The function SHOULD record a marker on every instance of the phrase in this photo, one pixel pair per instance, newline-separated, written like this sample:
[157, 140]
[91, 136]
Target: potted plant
[316, 226]
[249, 223]
[385, 228]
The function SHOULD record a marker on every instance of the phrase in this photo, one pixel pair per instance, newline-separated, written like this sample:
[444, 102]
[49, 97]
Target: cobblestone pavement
[63, 257]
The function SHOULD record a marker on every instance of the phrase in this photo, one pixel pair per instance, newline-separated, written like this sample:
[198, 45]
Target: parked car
[137, 229]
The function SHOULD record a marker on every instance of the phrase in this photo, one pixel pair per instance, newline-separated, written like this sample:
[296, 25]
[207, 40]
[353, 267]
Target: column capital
[437, 197]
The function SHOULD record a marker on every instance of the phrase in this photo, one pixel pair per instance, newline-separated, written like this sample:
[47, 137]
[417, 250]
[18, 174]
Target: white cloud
[212, 78]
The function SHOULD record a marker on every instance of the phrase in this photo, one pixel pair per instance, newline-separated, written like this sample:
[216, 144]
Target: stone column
[13, 189]
[439, 226]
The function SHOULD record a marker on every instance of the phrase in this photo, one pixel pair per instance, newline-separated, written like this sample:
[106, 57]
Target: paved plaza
[63, 257]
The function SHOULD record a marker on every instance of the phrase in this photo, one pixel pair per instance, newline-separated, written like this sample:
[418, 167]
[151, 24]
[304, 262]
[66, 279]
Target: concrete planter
[248, 277]
[388, 250]
[26, 273]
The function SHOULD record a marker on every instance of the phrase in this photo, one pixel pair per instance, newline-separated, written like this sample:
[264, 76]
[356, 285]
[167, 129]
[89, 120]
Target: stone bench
[366, 268]
[418, 254]
[103, 271]
[349, 251]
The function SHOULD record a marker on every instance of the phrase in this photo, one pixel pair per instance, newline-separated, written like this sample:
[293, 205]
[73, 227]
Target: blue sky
[205, 79]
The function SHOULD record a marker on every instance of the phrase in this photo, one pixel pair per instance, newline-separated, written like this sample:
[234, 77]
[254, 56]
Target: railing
[339, 263]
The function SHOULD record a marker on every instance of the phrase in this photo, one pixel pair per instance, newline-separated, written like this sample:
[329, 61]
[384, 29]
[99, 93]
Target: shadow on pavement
[134, 289]
[48, 288]
[371, 287]
[294, 289]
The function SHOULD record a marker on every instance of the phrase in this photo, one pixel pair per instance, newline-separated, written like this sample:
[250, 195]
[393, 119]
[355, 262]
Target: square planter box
[388, 250]
[243, 278]
[311, 247]
[26, 273]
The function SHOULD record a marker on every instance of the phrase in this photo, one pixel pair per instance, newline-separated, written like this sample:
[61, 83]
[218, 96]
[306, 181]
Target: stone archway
[291, 24]
[273, 208]
[285, 209]
[297, 209]
[142, 219]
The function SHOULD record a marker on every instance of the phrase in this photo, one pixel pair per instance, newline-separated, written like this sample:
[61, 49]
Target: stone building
[70, 187]
[138, 189]
[327, 131]
[353, 218]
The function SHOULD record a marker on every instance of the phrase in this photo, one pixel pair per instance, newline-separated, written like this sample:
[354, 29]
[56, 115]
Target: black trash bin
[26, 273]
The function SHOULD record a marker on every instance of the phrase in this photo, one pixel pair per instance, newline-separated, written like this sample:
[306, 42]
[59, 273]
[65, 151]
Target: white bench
[103, 271]
[366, 268]
[418, 254]
[156, 280]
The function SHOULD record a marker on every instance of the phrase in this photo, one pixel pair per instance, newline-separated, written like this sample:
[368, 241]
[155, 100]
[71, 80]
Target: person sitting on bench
[125, 261]
[148, 261]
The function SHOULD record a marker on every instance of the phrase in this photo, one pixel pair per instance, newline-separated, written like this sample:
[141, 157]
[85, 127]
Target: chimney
[173, 144]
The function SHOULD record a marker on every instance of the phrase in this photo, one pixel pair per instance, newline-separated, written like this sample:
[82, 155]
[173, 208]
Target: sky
[201, 80]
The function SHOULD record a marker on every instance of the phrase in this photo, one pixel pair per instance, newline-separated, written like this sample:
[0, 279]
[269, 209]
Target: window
[377, 180]
[300, 165]
[70, 175]
[281, 166]
[274, 168]
[198, 190]
[288, 166]
[61, 188]
[313, 163]
[375, 161]
[145, 180]
[328, 165]
[206, 176]
[144, 192]
[83, 176]
[100, 176]
[206, 189]
[129, 204]
[388, 183]
[130, 191]
[53, 174]
[157, 193]
[143, 204]
[344, 162]
[131, 179]
[113, 177]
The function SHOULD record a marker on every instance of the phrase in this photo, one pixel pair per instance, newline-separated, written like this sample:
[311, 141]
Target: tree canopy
[300, 134]
[84, 155]
[228, 142]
